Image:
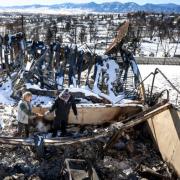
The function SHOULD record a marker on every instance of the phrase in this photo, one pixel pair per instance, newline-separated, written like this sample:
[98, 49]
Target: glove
[39, 115]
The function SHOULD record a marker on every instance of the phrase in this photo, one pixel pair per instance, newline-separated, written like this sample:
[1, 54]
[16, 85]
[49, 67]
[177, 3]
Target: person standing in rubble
[25, 114]
[62, 106]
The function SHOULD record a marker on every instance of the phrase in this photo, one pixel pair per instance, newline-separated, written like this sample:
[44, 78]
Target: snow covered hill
[113, 7]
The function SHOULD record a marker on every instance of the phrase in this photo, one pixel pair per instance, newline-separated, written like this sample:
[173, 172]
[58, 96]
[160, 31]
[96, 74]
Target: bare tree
[178, 35]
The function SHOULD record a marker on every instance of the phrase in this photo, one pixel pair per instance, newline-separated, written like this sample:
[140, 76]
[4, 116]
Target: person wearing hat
[62, 106]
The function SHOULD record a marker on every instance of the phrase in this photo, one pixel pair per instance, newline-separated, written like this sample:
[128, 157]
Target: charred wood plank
[146, 110]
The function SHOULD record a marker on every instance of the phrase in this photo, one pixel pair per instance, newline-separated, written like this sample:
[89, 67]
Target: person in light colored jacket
[25, 114]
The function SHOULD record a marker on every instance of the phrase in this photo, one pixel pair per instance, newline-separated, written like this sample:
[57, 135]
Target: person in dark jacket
[62, 106]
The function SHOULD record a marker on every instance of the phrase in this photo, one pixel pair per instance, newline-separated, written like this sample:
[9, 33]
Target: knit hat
[65, 95]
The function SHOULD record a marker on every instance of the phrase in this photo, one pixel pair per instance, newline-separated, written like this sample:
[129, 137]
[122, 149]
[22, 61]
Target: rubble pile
[132, 157]
[8, 122]
[117, 149]
[22, 163]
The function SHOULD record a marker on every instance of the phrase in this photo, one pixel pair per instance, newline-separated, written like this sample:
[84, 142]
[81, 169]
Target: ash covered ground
[128, 159]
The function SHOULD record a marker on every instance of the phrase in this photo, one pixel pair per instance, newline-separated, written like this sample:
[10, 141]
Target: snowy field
[5, 93]
[154, 46]
[171, 72]
[46, 11]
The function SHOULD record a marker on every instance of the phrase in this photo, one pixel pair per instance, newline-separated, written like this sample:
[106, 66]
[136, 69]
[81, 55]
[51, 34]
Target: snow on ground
[172, 73]
[45, 10]
[158, 49]
[5, 93]
[85, 91]
[34, 86]
[42, 101]
[115, 100]
[110, 67]
[1, 124]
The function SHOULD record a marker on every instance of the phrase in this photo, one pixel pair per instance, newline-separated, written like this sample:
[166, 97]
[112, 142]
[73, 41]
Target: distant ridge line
[114, 7]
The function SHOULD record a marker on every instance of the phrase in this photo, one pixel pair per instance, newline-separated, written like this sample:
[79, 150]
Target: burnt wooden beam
[146, 110]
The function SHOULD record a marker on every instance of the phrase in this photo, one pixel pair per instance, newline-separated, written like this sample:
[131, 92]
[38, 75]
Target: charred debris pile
[132, 155]
[46, 68]
[118, 150]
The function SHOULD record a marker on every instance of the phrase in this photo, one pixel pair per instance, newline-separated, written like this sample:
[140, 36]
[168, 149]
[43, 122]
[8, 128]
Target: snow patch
[110, 68]
[172, 73]
[84, 91]
[2, 124]
[5, 93]
[33, 86]
[43, 101]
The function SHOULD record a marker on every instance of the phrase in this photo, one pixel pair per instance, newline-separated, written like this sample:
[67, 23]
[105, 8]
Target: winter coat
[62, 108]
[24, 112]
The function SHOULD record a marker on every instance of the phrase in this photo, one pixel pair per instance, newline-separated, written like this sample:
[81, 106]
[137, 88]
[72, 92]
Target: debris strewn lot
[134, 156]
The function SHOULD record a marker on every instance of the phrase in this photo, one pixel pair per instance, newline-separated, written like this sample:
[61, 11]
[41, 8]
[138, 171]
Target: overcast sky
[28, 2]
